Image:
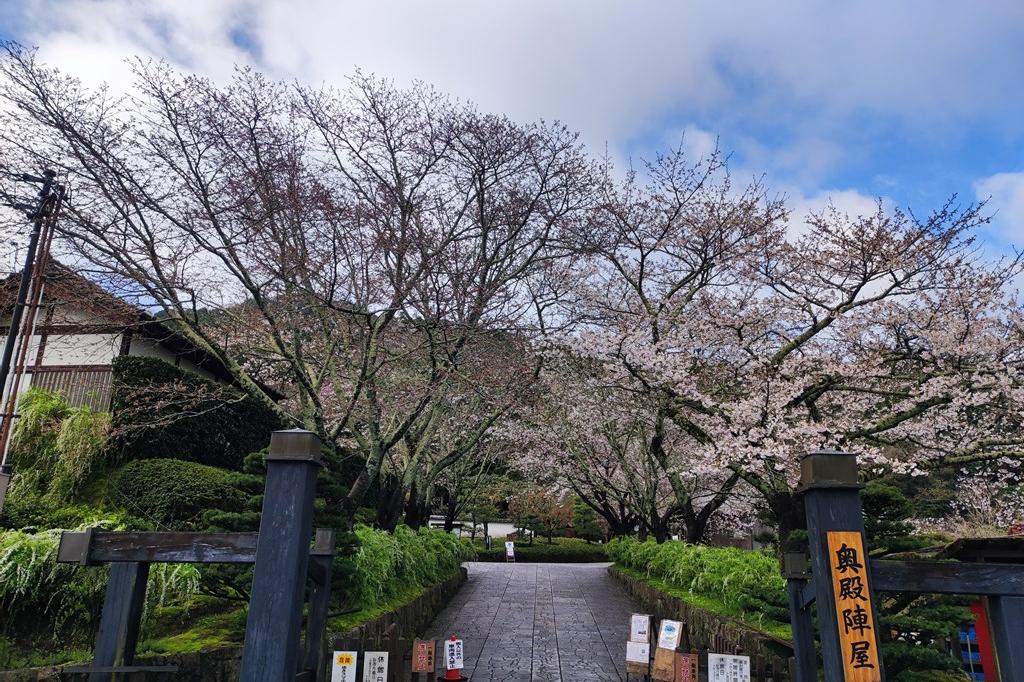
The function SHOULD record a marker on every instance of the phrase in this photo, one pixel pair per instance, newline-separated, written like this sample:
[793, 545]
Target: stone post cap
[828, 469]
[296, 445]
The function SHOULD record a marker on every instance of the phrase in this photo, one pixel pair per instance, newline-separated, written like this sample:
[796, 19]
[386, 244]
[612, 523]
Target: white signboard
[510, 550]
[375, 666]
[669, 637]
[638, 652]
[343, 666]
[453, 655]
[640, 628]
[726, 668]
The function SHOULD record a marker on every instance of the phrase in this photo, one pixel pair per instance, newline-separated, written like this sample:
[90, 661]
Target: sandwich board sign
[510, 551]
[664, 665]
[375, 666]
[423, 656]
[343, 666]
[640, 628]
[668, 638]
[726, 668]
[453, 658]
[638, 657]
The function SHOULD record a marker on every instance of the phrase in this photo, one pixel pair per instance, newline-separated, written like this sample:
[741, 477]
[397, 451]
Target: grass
[756, 621]
[730, 582]
[561, 551]
[210, 631]
[347, 621]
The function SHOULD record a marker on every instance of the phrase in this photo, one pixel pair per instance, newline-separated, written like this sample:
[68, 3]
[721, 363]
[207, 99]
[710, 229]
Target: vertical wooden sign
[423, 655]
[687, 666]
[858, 639]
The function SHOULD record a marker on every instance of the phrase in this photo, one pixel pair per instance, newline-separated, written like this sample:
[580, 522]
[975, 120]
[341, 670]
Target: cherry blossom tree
[883, 334]
[344, 247]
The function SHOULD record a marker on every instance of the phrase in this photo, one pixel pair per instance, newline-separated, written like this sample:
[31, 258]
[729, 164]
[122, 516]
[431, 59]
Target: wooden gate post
[1006, 616]
[797, 586]
[849, 637]
[272, 631]
[321, 560]
[120, 618]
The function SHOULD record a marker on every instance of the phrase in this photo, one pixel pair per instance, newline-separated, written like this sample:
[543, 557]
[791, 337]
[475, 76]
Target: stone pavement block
[540, 623]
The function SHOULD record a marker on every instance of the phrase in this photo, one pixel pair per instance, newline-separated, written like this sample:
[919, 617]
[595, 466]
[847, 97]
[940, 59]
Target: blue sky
[910, 101]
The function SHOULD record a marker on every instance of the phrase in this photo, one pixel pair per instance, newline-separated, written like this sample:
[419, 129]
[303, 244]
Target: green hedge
[743, 581]
[159, 411]
[562, 551]
[175, 493]
[388, 563]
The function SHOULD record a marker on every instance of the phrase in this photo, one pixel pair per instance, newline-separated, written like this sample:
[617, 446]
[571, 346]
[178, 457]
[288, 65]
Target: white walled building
[79, 330]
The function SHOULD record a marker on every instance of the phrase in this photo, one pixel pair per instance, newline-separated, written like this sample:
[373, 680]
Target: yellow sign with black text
[858, 640]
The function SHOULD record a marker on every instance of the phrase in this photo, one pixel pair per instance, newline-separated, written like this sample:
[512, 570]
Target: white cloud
[848, 201]
[1005, 194]
[613, 70]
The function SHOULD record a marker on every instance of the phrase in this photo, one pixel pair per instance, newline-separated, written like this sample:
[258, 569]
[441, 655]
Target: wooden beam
[951, 577]
[181, 548]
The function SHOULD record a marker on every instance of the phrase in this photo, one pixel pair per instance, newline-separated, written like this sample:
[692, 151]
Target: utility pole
[50, 196]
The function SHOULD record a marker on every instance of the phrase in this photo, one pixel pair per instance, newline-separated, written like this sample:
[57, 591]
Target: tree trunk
[450, 512]
[393, 508]
[414, 508]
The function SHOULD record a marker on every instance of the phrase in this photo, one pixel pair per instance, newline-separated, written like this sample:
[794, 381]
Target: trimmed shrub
[175, 493]
[562, 551]
[160, 411]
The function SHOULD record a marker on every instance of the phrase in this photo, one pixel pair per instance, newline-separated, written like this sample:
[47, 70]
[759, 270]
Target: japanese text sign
[725, 668]
[343, 666]
[423, 656]
[686, 667]
[375, 666]
[858, 642]
[453, 659]
[510, 550]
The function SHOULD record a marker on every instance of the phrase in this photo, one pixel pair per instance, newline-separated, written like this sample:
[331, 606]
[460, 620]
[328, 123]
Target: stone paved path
[539, 623]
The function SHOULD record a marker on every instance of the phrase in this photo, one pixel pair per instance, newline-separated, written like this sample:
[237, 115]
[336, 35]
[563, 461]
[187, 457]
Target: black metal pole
[39, 215]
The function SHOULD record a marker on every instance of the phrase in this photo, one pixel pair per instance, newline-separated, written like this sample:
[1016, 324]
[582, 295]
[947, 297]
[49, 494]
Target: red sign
[686, 667]
[423, 656]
